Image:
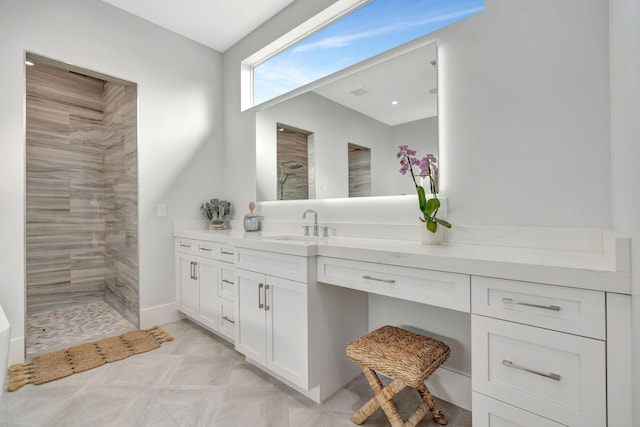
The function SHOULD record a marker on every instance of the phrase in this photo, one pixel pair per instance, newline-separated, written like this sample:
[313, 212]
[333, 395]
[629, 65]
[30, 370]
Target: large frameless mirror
[340, 139]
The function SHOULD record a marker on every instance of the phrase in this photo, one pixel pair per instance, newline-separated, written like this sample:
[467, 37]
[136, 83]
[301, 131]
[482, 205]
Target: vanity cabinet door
[208, 292]
[186, 291]
[251, 326]
[287, 333]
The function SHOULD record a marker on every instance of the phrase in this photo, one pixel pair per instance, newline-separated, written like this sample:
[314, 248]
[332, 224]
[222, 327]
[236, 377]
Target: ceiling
[409, 79]
[218, 24]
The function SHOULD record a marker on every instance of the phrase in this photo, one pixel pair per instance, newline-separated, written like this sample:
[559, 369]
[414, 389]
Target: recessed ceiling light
[29, 63]
[394, 102]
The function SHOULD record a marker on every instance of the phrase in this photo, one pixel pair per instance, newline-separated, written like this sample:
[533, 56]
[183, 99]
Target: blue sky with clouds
[376, 27]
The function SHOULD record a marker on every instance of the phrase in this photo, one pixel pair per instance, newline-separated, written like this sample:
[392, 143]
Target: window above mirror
[354, 31]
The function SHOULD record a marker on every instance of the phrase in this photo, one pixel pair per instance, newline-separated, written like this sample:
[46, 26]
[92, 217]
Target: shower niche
[81, 189]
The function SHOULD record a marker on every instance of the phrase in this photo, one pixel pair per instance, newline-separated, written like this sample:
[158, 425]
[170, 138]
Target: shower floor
[56, 329]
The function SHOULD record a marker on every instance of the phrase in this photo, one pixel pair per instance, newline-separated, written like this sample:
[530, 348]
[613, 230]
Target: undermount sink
[293, 238]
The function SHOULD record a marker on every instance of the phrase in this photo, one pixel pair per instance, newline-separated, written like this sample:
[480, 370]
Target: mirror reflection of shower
[283, 174]
[294, 163]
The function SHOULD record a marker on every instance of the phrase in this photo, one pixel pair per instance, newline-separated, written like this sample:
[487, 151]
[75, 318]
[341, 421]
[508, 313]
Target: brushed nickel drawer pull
[182, 245]
[379, 280]
[228, 281]
[260, 304]
[266, 306]
[205, 249]
[528, 304]
[227, 319]
[550, 375]
[227, 253]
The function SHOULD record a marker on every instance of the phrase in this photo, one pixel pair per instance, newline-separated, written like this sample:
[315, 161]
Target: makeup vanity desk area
[550, 328]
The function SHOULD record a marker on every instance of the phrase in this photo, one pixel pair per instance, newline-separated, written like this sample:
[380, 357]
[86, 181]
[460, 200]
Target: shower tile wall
[292, 147]
[68, 202]
[121, 200]
[359, 171]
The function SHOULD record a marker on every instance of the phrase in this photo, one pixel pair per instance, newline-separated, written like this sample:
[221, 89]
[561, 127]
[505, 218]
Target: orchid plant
[428, 167]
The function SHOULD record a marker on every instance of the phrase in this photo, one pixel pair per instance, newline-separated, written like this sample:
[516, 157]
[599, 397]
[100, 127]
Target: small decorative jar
[251, 220]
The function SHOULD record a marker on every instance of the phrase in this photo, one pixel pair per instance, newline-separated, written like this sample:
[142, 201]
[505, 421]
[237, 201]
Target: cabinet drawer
[227, 320]
[226, 282]
[186, 246]
[577, 311]
[488, 412]
[227, 253]
[215, 251]
[549, 373]
[274, 264]
[448, 290]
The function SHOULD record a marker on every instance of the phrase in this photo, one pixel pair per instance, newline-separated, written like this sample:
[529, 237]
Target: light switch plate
[161, 210]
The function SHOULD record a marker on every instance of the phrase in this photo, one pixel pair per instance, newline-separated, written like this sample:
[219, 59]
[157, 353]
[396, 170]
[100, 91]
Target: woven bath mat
[62, 363]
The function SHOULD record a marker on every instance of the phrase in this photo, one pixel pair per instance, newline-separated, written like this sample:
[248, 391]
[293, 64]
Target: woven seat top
[398, 353]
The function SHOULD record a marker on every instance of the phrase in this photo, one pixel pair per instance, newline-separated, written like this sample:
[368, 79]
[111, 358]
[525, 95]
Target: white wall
[625, 154]
[179, 126]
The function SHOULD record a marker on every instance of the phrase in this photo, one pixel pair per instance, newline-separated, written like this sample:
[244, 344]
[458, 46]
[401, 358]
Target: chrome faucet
[315, 221]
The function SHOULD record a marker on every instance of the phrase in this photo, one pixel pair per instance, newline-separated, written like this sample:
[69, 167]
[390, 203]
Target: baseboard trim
[159, 315]
[451, 386]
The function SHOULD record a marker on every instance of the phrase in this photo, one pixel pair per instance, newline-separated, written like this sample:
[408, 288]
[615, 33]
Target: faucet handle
[306, 230]
[325, 231]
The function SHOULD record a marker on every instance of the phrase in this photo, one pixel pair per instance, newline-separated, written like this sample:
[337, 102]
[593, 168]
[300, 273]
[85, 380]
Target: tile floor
[196, 380]
[60, 328]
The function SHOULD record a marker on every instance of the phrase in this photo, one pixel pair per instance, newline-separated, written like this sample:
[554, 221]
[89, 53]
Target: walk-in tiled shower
[81, 190]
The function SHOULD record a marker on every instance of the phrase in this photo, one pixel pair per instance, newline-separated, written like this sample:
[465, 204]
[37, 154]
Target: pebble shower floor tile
[52, 330]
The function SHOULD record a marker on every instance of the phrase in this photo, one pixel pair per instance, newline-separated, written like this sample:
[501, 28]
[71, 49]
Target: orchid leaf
[422, 198]
[432, 205]
[442, 222]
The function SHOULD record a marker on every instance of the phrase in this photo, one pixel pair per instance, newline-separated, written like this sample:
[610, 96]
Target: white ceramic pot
[429, 238]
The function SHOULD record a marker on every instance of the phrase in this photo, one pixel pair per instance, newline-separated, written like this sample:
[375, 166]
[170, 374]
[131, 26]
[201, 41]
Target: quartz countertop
[595, 270]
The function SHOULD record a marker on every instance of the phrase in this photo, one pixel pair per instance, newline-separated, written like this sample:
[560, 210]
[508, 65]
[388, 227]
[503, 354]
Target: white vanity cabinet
[271, 326]
[537, 349]
[294, 327]
[205, 290]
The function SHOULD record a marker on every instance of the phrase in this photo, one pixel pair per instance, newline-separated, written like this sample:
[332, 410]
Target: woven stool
[409, 359]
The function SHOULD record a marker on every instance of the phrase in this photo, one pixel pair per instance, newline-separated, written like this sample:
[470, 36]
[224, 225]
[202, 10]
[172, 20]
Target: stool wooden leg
[381, 399]
[435, 410]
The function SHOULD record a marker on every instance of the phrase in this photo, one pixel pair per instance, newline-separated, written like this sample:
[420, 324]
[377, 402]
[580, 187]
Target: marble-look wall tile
[64, 165]
[121, 195]
[292, 148]
[82, 196]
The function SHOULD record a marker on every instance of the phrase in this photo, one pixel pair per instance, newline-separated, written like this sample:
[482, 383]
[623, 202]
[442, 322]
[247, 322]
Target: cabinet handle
[227, 253]
[260, 304]
[227, 319]
[182, 245]
[550, 375]
[228, 281]
[266, 306]
[205, 249]
[195, 272]
[379, 280]
[528, 304]
[191, 270]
